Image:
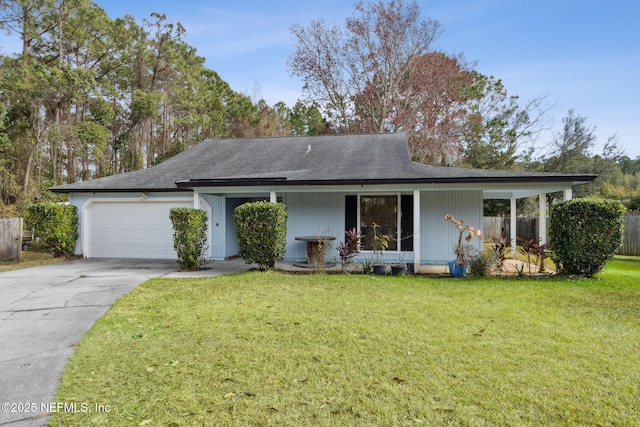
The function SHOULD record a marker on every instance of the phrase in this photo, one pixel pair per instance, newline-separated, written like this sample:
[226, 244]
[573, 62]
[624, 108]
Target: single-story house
[329, 184]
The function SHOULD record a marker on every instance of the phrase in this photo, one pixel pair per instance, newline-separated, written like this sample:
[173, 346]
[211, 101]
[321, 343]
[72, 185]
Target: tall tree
[572, 147]
[30, 20]
[383, 40]
[88, 96]
[572, 151]
[380, 73]
[499, 129]
[307, 120]
[432, 107]
[8, 185]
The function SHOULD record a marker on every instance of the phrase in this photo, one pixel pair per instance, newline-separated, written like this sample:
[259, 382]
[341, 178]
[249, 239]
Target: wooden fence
[527, 228]
[10, 239]
[631, 240]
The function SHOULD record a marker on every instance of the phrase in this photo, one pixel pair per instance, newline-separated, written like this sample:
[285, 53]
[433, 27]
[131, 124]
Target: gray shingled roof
[344, 159]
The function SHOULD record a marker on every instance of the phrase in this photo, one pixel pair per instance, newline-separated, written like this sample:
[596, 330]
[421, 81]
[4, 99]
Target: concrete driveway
[45, 311]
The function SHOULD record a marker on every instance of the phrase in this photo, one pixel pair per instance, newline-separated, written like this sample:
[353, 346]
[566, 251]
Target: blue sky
[585, 54]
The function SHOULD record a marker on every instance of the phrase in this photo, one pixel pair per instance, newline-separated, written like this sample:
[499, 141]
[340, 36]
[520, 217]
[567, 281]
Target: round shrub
[261, 228]
[56, 224]
[584, 234]
[189, 236]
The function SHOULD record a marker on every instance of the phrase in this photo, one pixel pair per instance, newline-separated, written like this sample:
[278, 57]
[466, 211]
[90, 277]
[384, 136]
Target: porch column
[273, 198]
[512, 229]
[567, 193]
[196, 200]
[416, 231]
[542, 218]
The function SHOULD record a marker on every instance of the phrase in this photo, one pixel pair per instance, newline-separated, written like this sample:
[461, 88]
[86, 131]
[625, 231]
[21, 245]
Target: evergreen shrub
[189, 236]
[261, 228]
[584, 234]
[56, 225]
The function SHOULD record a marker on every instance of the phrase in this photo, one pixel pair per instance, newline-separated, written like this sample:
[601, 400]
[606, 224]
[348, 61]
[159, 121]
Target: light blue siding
[310, 214]
[323, 213]
[78, 199]
[218, 222]
[438, 237]
[232, 248]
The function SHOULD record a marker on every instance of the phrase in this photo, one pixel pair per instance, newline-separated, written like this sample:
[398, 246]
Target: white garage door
[131, 229]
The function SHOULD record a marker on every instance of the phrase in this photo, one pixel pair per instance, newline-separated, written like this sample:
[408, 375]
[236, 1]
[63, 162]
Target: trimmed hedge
[584, 234]
[189, 236]
[261, 228]
[56, 224]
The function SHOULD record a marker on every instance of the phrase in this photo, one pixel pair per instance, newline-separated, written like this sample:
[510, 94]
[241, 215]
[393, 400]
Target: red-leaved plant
[349, 248]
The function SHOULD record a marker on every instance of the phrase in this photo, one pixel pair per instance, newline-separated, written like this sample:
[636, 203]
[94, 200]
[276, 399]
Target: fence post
[10, 239]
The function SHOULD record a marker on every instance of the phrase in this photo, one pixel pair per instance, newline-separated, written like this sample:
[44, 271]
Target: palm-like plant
[535, 250]
[499, 248]
[459, 250]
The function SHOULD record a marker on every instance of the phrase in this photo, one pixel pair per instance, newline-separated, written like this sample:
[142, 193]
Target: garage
[132, 229]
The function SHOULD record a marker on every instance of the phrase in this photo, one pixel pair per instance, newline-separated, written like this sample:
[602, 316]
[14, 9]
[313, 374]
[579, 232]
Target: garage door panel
[132, 229]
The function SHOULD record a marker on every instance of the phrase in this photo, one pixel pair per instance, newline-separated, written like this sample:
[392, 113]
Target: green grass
[268, 349]
[30, 258]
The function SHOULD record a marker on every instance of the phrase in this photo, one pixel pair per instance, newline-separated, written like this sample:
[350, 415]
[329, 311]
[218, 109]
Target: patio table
[315, 255]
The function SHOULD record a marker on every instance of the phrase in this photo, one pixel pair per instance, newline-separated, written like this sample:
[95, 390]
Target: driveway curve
[45, 311]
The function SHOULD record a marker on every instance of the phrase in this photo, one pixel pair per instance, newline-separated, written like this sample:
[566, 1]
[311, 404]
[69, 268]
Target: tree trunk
[27, 169]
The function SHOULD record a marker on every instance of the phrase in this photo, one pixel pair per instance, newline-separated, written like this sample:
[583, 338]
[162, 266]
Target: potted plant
[350, 248]
[459, 266]
[400, 268]
[379, 244]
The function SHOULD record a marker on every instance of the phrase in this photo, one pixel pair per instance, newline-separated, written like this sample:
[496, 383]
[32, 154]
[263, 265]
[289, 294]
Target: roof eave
[189, 185]
[262, 182]
[118, 190]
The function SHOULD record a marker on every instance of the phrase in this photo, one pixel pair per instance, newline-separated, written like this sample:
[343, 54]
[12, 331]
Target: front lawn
[271, 349]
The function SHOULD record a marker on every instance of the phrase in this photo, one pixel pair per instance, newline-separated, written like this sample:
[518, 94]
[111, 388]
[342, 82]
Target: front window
[379, 214]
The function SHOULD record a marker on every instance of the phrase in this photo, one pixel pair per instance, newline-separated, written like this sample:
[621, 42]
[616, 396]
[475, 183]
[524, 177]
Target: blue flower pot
[457, 270]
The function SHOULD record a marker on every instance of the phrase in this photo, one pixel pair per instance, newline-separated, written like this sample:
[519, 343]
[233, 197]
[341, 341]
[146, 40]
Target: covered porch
[325, 211]
[541, 193]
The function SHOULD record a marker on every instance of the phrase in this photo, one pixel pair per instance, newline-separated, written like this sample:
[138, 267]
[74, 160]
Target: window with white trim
[392, 212]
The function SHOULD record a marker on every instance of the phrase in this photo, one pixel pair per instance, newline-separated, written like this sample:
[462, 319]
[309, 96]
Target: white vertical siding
[313, 214]
[439, 236]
